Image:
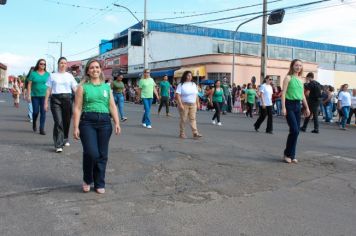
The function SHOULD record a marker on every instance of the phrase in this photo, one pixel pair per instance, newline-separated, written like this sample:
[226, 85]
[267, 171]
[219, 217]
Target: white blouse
[61, 83]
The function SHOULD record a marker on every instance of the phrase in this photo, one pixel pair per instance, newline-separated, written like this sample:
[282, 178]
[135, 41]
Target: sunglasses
[42, 64]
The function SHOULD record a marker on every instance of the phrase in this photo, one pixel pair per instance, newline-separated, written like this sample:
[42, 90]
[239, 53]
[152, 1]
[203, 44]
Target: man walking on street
[226, 88]
[164, 87]
[147, 87]
[313, 93]
[266, 92]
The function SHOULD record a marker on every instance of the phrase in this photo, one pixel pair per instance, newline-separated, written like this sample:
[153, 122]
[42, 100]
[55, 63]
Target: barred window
[305, 55]
[280, 52]
[251, 49]
[346, 59]
[219, 76]
[326, 57]
[276, 80]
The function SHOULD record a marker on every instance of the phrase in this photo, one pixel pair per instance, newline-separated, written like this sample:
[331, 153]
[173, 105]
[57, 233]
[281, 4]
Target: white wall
[326, 77]
[167, 46]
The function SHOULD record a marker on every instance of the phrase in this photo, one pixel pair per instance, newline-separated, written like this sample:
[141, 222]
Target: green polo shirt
[39, 87]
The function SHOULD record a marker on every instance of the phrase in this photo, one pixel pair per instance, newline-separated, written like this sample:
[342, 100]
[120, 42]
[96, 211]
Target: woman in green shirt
[217, 99]
[36, 90]
[292, 96]
[118, 88]
[250, 99]
[94, 102]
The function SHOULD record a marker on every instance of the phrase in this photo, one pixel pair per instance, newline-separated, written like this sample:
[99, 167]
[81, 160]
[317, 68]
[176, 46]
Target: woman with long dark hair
[188, 101]
[217, 101]
[36, 90]
[292, 96]
[61, 85]
[94, 102]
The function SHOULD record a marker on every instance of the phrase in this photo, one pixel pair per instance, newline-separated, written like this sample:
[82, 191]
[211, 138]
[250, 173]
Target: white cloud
[17, 64]
[331, 25]
[112, 19]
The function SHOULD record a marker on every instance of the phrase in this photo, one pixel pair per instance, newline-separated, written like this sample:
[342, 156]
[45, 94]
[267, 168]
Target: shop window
[276, 80]
[219, 76]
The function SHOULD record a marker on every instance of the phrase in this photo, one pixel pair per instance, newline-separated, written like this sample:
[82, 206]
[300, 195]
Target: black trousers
[314, 112]
[164, 101]
[265, 112]
[352, 112]
[249, 109]
[217, 107]
[61, 107]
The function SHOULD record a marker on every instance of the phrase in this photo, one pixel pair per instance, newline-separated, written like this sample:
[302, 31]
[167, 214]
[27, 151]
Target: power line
[103, 9]
[215, 12]
[248, 14]
[82, 52]
[290, 13]
[243, 15]
[74, 5]
[90, 20]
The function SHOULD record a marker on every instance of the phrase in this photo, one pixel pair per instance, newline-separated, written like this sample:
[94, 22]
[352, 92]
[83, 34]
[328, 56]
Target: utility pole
[145, 42]
[264, 42]
[145, 31]
[61, 47]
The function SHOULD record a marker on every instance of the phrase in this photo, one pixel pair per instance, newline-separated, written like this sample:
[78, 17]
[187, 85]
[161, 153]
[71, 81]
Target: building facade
[4, 83]
[208, 52]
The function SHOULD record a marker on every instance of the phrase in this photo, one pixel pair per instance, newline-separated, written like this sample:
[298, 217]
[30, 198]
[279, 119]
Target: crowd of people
[99, 103]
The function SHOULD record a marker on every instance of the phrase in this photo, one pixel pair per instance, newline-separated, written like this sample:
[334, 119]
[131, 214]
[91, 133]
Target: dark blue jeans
[293, 109]
[279, 106]
[345, 115]
[147, 103]
[328, 112]
[95, 131]
[38, 108]
[119, 101]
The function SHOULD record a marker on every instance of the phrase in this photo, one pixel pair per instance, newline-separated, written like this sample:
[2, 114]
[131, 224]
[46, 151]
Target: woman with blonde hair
[292, 96]
[94, 103]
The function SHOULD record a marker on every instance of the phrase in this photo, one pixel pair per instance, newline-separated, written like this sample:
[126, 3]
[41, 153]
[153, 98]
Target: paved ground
[231, 182]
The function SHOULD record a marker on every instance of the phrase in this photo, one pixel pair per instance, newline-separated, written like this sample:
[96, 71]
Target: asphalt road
[231, 182]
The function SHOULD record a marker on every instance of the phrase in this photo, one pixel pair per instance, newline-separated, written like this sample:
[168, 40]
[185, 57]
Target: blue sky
[28, 25]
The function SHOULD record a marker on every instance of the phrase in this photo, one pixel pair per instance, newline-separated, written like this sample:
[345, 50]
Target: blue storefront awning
[161, 73]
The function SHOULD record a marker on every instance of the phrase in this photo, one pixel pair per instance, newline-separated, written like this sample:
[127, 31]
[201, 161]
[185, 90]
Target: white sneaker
[58, 150]
[149, 127]
[144, 125]
[213, 122]
[67, 144]
[219, 124]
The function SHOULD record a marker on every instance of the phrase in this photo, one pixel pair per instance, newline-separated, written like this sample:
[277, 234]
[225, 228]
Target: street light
[61, 49]
[54, 61]
[145, 31]
[275, 17]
